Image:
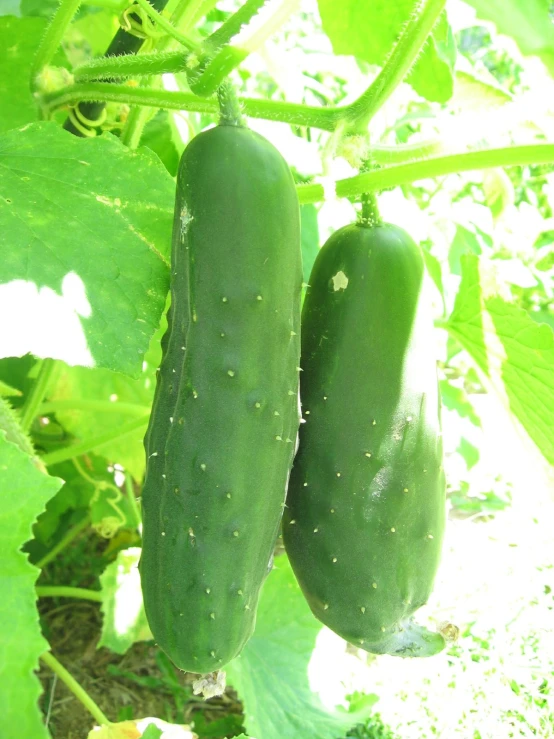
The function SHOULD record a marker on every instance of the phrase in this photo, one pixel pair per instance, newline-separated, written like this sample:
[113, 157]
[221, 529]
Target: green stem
[53, 36]
[132, 499]
[36, 396]
[213, 72]
[81, 694]
[68, 452]
[312, 193]
[403, 56]
[73, 532]
[229, 106]
[292, 113]
[165, 24]
[130, 65]
[400, 153]
[65, 591]
[115, 5]
[369, 216]
[101, 406]
[402, 174]
[137, 119]
[233, 24]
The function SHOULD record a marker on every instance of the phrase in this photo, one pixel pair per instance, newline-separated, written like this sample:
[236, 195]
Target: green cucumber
[366, 502]
[225, 417]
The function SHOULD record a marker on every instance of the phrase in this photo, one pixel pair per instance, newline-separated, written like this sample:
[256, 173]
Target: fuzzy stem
[234, 23]
[228, 58]
[73, 532]
[53, 36]
[403, 56]
[132, 499]
[403, 174]
[292, 113]
[81, 694]
[66, 591]
[101, 406]
[229, 106]
[130, 65]
[369, 216]
[75, 450]
[36, 396]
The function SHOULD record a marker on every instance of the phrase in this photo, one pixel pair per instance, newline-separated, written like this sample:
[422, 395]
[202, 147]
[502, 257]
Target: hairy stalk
[293, 113]
[369, 215]
[402, 174]
[400, 61]
[212, 73]
[130, 65]
[229, 106]
[234, 23]
[36, 396]
[137, 119]
[75, 450]
[81, 694]
[66, 591]
[72, 534]
[53, 36]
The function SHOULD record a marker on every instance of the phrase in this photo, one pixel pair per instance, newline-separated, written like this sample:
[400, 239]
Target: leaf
[147, 728]
[25, 492]
[309, 238]
[499, 191]
[469, 452]
[89, 221]
[19, 38]
[161, 135]
[124, 618]
[511, 350]
[464, 241]
[456, 399]
[107, 388]
[527, 21]
[271, 673]
[7, 390]
[368, 29]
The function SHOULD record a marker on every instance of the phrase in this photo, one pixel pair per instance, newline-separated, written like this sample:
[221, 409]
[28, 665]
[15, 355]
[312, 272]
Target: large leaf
[271, 674]
[87, 231]
[513, 352]
[19, 38]
[25, 492]
[368, 29]
[124, 620]
[529, 22]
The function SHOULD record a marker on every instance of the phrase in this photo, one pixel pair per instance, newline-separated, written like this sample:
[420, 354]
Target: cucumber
[225, 416]
[366, 501]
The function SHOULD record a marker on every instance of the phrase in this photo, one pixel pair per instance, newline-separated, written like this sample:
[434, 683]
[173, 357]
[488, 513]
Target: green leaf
[271, 673]
[527, 21]
[368, 29]
[161, 135]
[499, 191]
[89, 223]
[469, 452]
[456, 399]
[25, 492]
[124, 620]
[464, 242]
[19, 39]
[513, 352]
[7, 390]
[309, 238]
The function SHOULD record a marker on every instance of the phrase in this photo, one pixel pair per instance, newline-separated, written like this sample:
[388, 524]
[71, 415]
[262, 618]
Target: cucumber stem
[66, 591]
[79, 692]
[61, 545]
[369, 217]
[229, 105]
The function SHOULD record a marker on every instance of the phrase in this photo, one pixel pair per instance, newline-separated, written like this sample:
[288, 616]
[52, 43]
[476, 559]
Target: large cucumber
[365, 508]
[225, 417]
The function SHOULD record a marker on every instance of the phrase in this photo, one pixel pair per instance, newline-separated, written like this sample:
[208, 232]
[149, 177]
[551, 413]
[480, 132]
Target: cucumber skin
[216, 473]
[364, 535]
